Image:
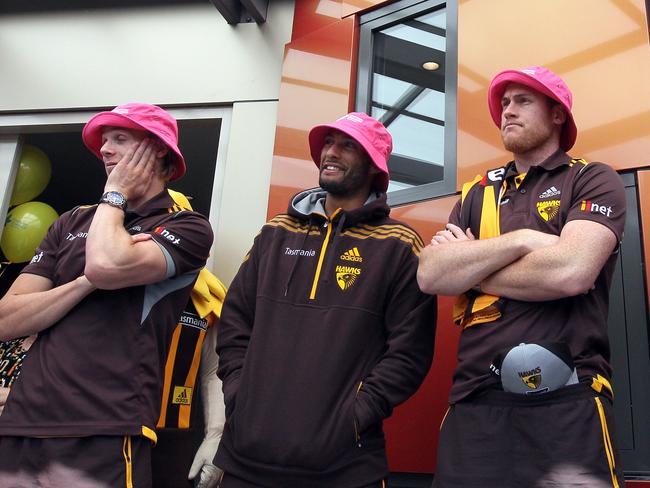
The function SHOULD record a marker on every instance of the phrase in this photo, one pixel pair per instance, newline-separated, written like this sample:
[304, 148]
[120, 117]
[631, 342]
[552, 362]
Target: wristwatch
[114, 199]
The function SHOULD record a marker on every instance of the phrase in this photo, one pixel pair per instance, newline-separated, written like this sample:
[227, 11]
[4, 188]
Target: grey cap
[534, 368]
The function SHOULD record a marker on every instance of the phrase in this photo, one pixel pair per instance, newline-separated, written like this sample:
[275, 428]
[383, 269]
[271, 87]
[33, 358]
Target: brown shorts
[230, 481]
[80, 462]
[505, 440]
[172, 456]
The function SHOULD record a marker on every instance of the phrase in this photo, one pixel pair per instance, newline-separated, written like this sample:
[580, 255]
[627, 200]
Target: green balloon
[24, 230]
[33, 175]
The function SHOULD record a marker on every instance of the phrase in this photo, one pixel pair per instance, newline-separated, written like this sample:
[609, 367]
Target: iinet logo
[589, 206]
[167, 235]
[37, 258]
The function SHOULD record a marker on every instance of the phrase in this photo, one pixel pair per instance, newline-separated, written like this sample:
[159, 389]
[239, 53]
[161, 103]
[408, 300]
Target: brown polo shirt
[99, 370]
[545, 199]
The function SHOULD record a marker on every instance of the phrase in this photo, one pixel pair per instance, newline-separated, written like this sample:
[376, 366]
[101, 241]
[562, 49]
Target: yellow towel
[208, 294]
[473, 308]
[181, 200]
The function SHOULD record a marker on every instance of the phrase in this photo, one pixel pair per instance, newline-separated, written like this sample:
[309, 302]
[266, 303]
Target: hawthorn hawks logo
[532, 379]
[548, 209]
[346, 276]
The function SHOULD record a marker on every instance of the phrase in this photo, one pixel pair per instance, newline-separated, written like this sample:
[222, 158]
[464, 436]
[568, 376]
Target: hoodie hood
[310, 204]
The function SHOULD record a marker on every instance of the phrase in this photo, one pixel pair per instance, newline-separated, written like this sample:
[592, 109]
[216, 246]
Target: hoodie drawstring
[340, 225]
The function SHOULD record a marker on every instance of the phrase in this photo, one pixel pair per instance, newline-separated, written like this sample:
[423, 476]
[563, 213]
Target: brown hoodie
[324, 330]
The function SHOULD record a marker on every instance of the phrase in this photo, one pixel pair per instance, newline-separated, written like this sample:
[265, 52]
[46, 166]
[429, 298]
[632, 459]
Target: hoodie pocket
[355, 421]
[303, 432]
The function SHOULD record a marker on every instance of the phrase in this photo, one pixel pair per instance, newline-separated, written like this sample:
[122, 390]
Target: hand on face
[452, 233]
[133, 173]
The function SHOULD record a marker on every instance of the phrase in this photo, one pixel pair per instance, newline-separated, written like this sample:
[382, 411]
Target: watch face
[115, 199]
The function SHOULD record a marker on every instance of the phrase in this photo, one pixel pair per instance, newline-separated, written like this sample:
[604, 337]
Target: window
[407, 80]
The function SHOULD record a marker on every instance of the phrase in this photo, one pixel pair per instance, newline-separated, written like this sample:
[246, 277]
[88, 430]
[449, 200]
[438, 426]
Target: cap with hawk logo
[535, 368]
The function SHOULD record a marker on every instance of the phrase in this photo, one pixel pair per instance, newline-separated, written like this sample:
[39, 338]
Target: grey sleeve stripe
[157, 291]
[171, 267]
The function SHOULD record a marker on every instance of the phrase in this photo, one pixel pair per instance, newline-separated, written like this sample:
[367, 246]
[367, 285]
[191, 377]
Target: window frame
[392, 15]
[629, 336]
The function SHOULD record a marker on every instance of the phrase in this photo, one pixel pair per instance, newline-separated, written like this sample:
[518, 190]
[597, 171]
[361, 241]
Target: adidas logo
[352, 255]
[182, 395]
[551, 192]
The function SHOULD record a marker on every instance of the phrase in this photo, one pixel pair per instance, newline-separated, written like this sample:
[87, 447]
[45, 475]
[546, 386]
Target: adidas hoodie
[323, 332]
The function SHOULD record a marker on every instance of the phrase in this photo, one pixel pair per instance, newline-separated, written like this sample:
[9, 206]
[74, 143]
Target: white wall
[171, 56]
[246, 185]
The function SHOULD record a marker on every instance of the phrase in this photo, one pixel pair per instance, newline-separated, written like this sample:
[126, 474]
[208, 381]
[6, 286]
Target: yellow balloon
[24, 230]
[33, 175]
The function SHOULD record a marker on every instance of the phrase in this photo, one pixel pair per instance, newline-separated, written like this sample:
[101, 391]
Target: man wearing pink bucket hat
[324, 330]
[530, 249]
[104, 292]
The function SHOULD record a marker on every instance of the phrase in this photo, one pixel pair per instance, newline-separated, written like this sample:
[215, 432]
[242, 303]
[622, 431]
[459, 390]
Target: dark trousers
[506, 440]
[79, 462]
[230, 481]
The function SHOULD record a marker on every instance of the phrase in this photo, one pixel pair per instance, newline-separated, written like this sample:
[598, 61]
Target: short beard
[522, 145]
[347, 186]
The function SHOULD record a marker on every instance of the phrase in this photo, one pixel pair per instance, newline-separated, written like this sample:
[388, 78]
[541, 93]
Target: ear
[161, 149]
[558, 115]
[372, 169]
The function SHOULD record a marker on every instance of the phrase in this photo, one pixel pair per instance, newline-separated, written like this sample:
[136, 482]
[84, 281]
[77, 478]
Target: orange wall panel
[311, 15]
[315, 89]
[599, 48]
[350, 7]
[412, 430]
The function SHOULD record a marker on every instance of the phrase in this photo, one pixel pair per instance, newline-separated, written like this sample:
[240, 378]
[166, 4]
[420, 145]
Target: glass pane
[408, 96]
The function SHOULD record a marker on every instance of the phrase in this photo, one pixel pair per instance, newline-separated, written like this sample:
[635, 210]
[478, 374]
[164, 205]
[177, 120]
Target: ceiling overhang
[242, 11]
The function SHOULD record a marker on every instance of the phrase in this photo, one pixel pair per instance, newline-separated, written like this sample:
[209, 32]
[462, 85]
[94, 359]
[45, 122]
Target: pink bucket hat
[368, 132]
[137, 116]
[542, 80]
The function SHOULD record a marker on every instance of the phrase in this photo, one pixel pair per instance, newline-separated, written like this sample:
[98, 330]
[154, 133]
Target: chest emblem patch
[346, 276]
[182, 395]
[548, 209]
[532, 379]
